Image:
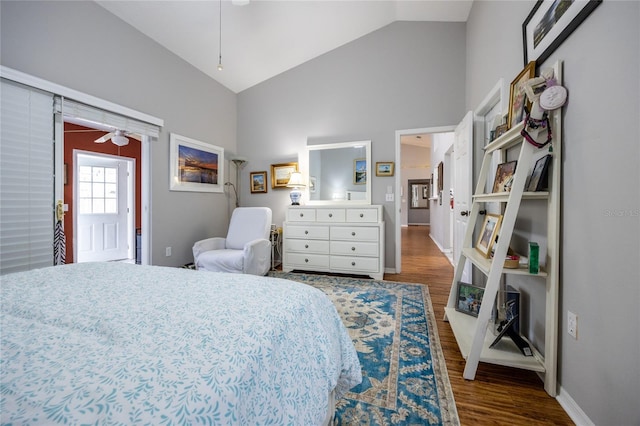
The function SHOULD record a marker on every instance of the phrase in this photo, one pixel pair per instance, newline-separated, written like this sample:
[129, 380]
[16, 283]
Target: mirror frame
[339, 145]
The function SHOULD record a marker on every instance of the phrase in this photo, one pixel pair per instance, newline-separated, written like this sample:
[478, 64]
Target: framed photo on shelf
[504, 176]
[281, 173]
[548, 25]
[501, 130]
[488, 234]
[469, 299]
[384, 168]
[517, 96]
[194, 165]
[258, 182]
[360, 171]
[538, 180]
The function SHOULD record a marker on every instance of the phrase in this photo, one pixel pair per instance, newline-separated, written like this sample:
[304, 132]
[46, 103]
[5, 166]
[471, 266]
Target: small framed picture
[501, 130]
[281, 173]
[538, 180]
[360, 171]
[469, 299]
[488, 234]
[258, 182]
[385, 168]
[517, 96]
[504, 176]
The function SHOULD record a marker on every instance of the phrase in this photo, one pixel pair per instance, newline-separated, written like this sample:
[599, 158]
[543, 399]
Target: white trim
[56, 89]
[398, 183]
[39, 83]
[574, 411]
[497, 94]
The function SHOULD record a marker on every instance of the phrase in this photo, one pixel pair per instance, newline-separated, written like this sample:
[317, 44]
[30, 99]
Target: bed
[114, 343]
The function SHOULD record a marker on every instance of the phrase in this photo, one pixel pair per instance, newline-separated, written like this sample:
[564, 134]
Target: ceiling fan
[118, 137]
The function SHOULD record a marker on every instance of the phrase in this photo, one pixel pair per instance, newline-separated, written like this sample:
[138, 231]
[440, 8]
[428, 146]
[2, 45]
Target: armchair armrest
[257, 257]
[215, 243]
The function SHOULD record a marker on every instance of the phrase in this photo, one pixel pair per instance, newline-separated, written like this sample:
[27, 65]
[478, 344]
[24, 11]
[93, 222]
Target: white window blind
[79, 111]
[26, 178]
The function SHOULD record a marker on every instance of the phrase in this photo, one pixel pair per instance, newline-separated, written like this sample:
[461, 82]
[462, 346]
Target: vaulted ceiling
[264, 38]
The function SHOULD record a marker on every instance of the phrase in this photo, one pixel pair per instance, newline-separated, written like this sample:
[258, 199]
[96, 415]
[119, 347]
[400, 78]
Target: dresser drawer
[362, 215]
[306, 232]
[330, 215]
[301, 215]
[307, 246]
[354, 249]
[307, 261]
[354, 264]
[354, 233]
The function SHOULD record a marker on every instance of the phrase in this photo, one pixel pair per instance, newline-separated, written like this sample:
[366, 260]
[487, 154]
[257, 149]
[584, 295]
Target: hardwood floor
[498, 395]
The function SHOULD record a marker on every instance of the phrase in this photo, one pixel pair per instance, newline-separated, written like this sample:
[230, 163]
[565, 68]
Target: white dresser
[336, 238]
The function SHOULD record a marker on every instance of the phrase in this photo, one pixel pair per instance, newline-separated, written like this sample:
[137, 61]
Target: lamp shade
[296, 181]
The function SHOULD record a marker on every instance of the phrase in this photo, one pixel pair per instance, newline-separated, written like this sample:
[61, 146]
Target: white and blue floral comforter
[112, 343]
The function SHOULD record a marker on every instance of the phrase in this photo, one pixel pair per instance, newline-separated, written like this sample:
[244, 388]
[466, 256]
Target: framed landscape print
[194, 165]
[488, 234]
[281, 173]
[538, 179]
[384, 168]
[258, 181]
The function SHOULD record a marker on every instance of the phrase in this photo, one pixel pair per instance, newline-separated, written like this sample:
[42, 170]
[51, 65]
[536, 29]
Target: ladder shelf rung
[484, 264]
[506, 352]
[511, 138]
[503, 197]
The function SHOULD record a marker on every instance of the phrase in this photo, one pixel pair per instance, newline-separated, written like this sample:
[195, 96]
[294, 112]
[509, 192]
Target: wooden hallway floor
[498, 395]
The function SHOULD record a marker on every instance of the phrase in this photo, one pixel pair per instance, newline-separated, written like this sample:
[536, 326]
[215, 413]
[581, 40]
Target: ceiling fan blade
[135, 136]
[104, 138]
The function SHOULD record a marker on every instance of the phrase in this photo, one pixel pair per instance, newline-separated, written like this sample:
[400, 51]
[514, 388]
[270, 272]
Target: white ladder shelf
[470, 332]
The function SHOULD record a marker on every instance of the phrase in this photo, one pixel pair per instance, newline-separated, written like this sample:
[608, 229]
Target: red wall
[85, 141]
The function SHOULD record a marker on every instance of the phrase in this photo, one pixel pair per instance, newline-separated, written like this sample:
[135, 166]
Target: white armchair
[245, 250]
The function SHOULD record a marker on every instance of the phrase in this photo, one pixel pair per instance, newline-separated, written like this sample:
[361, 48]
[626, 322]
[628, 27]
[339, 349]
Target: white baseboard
[573, 409]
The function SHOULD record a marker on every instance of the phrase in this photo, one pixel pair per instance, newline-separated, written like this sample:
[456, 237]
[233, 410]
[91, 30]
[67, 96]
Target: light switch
[389, 197]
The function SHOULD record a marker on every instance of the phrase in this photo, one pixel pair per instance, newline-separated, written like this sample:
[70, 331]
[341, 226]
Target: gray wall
[82, 46]
[392, 79]
[600, 243]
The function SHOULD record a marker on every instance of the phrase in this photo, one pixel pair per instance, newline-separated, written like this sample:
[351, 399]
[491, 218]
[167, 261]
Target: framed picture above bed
[194, 165]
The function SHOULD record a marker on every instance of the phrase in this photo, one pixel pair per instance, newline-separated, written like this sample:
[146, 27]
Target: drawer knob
[306, 246]
[306, 260]
[353, 263]
[301, 214]
[306, 232]
[361, 215]
[330, 214]
[353, 234]
[353, 249]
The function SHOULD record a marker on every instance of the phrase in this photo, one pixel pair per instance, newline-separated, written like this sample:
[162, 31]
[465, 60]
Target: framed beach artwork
[281, 173]
[194, 165]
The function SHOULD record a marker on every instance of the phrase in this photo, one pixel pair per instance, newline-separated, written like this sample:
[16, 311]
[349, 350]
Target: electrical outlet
[167, 251]
[572, 324]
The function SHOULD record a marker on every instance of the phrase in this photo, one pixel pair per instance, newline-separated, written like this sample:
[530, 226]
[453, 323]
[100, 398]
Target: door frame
[398, 185]
[59, 90]
[131, 197]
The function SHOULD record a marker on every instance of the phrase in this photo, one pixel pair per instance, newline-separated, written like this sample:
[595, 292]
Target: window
[98, 190]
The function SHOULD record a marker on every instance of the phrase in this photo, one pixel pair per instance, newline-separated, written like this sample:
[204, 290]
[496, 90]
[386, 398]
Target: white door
[103, 209]
[463, 167]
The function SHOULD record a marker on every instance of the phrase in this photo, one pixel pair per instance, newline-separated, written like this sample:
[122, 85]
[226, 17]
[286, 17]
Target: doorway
[104, 207]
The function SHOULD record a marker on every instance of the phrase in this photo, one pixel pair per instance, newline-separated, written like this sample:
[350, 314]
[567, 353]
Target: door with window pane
[102, 208]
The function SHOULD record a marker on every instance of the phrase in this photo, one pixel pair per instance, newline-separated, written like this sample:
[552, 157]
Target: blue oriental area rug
[392, 325]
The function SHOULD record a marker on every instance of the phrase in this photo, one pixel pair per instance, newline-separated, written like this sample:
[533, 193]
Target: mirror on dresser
[339, 173]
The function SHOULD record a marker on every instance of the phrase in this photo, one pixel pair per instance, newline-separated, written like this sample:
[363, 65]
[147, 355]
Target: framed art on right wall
[549, 23]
